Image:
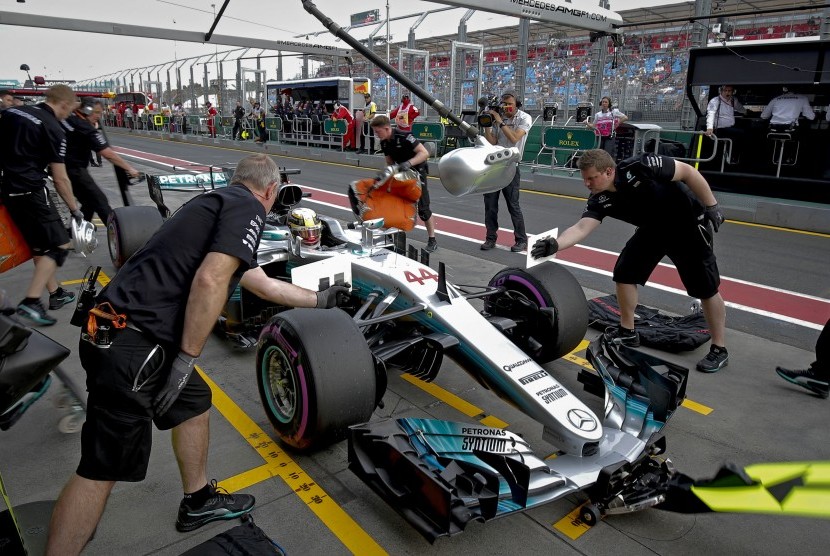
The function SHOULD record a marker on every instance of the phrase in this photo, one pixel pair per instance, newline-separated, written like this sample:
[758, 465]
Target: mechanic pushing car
[675, 213]
[404, 151]
[140, 344]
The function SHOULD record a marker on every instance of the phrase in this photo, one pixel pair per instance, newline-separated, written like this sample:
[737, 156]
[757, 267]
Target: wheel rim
[279, 382]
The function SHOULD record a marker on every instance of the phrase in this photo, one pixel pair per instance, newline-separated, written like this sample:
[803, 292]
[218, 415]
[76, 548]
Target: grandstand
[644, 74]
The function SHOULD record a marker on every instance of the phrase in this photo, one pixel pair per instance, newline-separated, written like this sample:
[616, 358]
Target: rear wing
[196, 178]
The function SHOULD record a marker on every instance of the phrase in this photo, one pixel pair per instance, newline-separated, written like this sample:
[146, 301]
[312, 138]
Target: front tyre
[316, 375]
[548, 306]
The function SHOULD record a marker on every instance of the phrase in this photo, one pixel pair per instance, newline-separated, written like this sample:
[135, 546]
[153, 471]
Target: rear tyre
[548, 306]
[128, 228]
[316, 375]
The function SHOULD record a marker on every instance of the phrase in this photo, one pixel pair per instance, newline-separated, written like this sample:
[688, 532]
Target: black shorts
[689, 248]
[423, 202]
[117, 436]
[38, 221]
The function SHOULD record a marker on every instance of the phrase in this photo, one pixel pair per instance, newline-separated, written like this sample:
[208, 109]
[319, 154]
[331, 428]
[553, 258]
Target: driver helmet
[304, 224]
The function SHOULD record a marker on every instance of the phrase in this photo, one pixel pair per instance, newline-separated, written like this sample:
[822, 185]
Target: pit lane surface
[313, 504]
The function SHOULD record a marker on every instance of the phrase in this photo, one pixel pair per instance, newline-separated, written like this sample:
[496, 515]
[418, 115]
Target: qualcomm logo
[582, 420]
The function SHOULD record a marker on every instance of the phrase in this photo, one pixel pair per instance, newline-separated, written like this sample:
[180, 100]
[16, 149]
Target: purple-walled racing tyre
[548, 306]
[316, 375]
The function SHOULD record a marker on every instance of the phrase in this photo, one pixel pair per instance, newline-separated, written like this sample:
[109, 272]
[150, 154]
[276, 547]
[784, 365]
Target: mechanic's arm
[116, 159]
[276, 291]
[208, 294]
[576, 233]
[63, 185]
[421, 155]
[696, 182]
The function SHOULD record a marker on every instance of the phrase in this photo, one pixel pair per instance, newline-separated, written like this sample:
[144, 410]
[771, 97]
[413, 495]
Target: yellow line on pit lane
[455, 402]
[687, 403]
[279, 464]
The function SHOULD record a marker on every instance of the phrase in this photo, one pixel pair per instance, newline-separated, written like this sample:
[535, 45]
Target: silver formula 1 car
[321, 373]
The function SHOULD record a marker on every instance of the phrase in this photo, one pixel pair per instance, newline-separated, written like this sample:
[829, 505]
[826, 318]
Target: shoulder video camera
[486, 104]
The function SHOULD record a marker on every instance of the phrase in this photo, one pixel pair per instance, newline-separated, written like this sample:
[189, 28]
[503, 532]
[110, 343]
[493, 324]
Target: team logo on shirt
[252, 233]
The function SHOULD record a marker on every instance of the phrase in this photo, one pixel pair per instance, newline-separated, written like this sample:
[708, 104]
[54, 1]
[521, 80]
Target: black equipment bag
[673, 334]
[243, 540]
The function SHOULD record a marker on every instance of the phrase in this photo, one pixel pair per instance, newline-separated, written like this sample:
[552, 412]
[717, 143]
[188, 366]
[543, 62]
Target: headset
[515, 97]
[734, 90]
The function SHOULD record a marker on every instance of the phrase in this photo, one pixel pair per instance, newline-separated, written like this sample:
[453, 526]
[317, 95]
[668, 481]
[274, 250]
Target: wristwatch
[501, 125]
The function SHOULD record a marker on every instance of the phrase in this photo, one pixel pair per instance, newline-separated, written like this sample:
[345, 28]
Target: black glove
[714, 216]
[179, 375]
[77, 216]
[404, 166]
[333, 296]
[544, 247]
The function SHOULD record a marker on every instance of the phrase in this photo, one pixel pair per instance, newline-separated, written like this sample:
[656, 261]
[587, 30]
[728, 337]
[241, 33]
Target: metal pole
[388, 61]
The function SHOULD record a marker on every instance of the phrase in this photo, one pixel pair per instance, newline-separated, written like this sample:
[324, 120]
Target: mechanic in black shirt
[675, 213]
[172, 291]
[404, 151]
[32, 139]
[82, 137]
[238, 114]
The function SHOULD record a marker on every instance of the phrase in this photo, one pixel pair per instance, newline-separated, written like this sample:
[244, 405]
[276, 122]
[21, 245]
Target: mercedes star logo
[582, 420]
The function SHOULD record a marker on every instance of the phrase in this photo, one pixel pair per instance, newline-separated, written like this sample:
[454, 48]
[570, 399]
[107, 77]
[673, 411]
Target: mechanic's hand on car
[544, 247]
[714, 215]
[77, 216]
[333, 296]
[179, 375]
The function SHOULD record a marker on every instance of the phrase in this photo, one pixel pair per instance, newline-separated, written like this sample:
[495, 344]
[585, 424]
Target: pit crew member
[32, 138]
[170, 293]
[675, 213]
[405, 151]
[82, 136]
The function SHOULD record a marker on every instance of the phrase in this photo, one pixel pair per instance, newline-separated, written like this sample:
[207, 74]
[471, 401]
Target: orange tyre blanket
[13, 248]
[396, 201]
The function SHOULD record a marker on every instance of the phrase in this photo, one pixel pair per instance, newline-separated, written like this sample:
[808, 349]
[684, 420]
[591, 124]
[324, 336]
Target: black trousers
[237, 127]
[92, 199]
[821, 366]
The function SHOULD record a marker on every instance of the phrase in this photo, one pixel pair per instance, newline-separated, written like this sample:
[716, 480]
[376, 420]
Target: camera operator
[509, 128]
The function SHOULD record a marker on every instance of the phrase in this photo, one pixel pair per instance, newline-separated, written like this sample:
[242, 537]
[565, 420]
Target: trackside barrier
[274, 128]
[697, 143]
[565, 144]
[336, 128]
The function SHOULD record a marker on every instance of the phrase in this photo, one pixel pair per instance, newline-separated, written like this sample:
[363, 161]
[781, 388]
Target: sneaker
[432, 245]
[715, 360]
[220, 506]
[36, 313]
[806, 379]
[60, 298]
[487, 245]
[621, 336]
[519, 247]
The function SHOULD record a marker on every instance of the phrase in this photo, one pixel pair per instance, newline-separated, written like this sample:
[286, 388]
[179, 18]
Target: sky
[64, 55]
